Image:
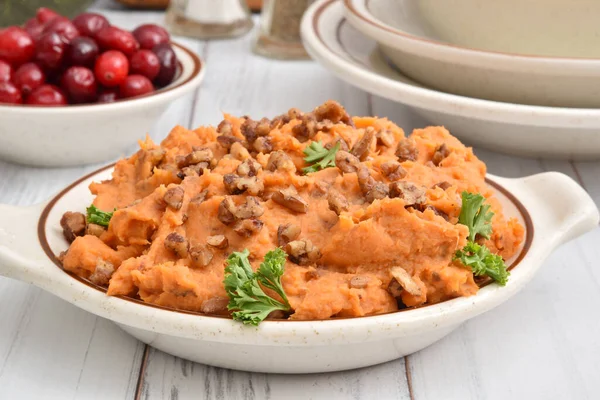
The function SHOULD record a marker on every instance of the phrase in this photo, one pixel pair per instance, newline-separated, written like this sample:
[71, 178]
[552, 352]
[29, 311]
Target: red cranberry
[83, 51]
[168, 64]
[89, 24]
[10, 94]
[113, 38]
[145, 62]
[108, 96]
[64, 27]
[35, 28]
[5, 71]
[16, 46]
[111, 68]
[47, 95]
[149, 35]
[45, 15]
[135, 85]
[80, 84]
[28, 78]
[50, 50]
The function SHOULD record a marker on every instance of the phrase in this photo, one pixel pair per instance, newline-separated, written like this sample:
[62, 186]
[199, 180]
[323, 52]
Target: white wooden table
[542, 344]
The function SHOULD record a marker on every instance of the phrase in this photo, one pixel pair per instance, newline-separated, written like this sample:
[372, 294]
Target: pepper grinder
[207, 19]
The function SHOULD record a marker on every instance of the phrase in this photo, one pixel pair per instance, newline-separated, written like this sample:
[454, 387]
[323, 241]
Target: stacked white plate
[485, 98]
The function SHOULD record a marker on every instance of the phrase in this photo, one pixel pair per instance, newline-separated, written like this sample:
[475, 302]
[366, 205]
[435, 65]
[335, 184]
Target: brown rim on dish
[41, 230]
[198, 65]
[349, 6]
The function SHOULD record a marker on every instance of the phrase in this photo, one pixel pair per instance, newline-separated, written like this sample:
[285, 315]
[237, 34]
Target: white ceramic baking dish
[552, 207]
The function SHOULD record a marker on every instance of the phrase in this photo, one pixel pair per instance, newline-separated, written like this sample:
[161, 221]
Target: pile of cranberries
[55, 61]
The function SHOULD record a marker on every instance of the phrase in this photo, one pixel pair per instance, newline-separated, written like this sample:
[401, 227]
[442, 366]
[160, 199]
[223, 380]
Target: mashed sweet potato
[391, 203]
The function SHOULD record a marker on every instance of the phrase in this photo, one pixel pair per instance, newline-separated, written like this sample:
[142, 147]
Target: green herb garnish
[322, 157]
[477, 217]
[247, 299]
[98, 217]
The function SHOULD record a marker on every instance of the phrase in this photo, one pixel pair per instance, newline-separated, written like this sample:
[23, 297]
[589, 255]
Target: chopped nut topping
[226, 210]
[177, 244]
[290, 198]
[337, 202]
[279, 160]
[239, 152]
[365, 180]
[441, 152]
[302, 252]
[248, 227]
[406, 281]
[228, 141]
[286, 233]
[361, 148]
[249, 168]
[359, 282]
[197, 155]
[225, 128]
[263, 145]
[217, 241]
[250, 209]
[379, 191]
[252, 129]
[200, 255]
[305, 130]
[174, 197]
[200, 197]
[437, 212]
[395, 289]
[215, 305]
[155, 156]
[294, 113]
[408, 191]
[192, 170]
[103, 272]
[320, 188]
[407, 150]
[93, 229]
[443, 185]
[334, 112]
[346, 162]
[235, 184]
[73, 224]
[341, 141]
[393, 170]
[385, 137]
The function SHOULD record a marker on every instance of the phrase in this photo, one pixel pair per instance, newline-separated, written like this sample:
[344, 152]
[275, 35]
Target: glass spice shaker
[206, 19]
[279, 33]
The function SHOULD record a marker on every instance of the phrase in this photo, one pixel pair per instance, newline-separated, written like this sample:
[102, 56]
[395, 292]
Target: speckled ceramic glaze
[532, 131]
[89, 134]
[551, 206]
[414, 46]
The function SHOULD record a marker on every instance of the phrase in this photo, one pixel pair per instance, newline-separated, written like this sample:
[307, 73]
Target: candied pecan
[320, 188]
[238, 151]
[217, 241]
[215, 305]
[94, 229]
[73, 224]
[441, 152]
[359, 282]
[226, 210]
[286, 233]
[248, 129]
[407, 150]
[365, 180]
[385, 137]
[263, 145]
[154, 156]
[201, 256]
[346, 162]
[235, 184]
[250, 209]
[406, 281]
[227, 140]
[294, 113]
[443, 185]
[263, 127]
[192, 170]
[379, 191]
[102, 273]
[306, 129]
[302, 252]
[337, 202]
[290, 198]
[334, 112]
[174, 197]
[197, 155]
[177, 244]
[361, 148]
[341, 141]
[225, 128]
[248, 227]
[394, 289]
[279, 160]
[248, 167]
[408, 191]
[393, 170]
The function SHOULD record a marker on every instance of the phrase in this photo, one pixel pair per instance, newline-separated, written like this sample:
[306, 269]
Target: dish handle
[560, 208]
[21, 255]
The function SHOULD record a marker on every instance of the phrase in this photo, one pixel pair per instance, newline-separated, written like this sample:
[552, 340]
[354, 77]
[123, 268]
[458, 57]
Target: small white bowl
[91, 133]
[551, 206]
[398, 26]
[531, 131]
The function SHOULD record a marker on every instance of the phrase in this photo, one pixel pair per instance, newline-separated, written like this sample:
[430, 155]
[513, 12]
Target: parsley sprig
[321, 157]
[97, 216]
[477, 217]
[245, 287]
